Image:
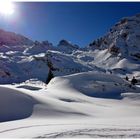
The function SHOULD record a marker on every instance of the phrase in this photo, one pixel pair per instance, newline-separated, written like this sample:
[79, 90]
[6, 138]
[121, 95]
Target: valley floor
[66, 128]
[62, 110]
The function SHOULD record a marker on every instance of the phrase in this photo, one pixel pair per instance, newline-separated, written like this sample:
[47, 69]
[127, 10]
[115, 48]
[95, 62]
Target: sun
[6, 8]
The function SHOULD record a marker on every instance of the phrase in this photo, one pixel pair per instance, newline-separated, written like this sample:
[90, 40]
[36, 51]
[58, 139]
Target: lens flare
[6, 8]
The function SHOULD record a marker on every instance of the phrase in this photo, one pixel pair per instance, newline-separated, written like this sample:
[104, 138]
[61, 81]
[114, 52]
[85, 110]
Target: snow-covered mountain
[120, 47]
[66, 47]
[39, 47]
[117, 52]
[88, 97]
[13, 39]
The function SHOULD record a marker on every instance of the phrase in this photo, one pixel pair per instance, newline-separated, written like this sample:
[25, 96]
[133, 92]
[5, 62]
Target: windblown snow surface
[88, 104]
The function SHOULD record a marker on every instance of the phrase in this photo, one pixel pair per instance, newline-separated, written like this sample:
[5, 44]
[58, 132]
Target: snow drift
[95, 84]
[15, 104]
[73, 103]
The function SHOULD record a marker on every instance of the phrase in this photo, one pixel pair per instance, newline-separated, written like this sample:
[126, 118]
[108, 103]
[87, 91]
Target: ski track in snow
[26, 127]
[86, 132]
[95, 133]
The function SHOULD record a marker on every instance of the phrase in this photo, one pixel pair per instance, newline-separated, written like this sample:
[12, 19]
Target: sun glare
[6, 8]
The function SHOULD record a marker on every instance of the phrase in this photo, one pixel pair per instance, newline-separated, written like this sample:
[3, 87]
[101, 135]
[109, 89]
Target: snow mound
[131, 95]
[15, 104]
[94, 84]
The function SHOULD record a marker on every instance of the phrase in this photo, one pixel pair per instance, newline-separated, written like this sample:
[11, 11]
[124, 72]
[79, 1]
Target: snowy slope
[65, 109]
[14, 105]
[17, 66]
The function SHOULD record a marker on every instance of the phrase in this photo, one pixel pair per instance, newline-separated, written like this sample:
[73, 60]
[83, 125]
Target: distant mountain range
[117, 52]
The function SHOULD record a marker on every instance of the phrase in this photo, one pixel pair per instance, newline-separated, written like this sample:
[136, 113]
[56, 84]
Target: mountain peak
[13, 39]
[64, 42]
[122, 39]
[66, 46]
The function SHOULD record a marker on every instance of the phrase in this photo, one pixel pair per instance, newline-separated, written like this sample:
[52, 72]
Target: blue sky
[79, 23]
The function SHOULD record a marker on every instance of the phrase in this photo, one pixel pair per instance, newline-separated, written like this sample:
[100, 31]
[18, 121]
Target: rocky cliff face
[123, 39]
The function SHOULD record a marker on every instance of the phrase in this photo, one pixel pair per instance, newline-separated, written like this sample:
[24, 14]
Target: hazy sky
[79, 23]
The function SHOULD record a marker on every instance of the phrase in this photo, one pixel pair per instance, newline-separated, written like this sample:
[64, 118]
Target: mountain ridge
[117, 52]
